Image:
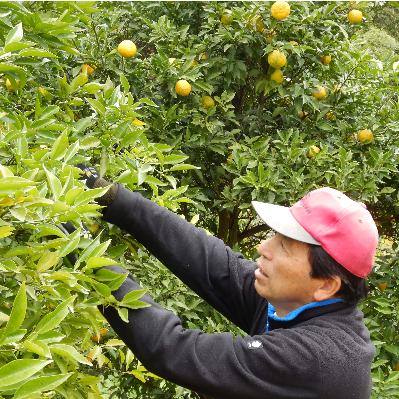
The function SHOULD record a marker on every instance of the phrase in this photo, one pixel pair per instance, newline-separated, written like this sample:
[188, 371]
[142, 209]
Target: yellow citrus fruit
[8, 84]
[326, 59]
[207, 102]
[330, 116]
[203, 57]
[303, 114]
[127, 49]
[86, 68]
[96, 338]
[183, 88]
[138, 122]
[12, 86]
[103, 331]
[226, 19]
[277, 59]
[355, 16]
[194, 63]
[313, 151]
[320, 93]
[93, 228]
[277, 76]
[365, 135]
[383, 286]
[396, 366]
[44, 92]
[280, 10]
[90, 355]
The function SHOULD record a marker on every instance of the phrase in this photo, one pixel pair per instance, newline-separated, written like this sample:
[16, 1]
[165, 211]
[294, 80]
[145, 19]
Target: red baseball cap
[327, 217]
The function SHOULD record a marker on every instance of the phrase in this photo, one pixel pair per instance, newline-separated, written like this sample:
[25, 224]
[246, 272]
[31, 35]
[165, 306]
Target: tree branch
[253, 231]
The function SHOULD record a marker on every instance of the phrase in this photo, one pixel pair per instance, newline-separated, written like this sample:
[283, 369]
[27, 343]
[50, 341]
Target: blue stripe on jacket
[271, 311]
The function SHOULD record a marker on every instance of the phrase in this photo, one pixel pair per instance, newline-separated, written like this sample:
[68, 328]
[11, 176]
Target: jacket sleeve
[210, 268]
[278, 365]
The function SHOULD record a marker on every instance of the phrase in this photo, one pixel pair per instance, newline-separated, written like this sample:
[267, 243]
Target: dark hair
[353, 288]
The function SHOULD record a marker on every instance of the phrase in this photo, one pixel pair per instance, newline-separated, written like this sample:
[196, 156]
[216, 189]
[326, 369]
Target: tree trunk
[228, 230]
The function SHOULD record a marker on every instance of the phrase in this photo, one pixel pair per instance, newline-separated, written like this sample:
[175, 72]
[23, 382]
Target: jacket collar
[302, 313]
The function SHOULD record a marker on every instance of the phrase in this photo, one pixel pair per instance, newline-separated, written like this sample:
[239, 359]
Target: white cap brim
[280, 219]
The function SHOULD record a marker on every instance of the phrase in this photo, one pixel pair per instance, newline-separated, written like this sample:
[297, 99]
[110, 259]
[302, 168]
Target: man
[297, 303]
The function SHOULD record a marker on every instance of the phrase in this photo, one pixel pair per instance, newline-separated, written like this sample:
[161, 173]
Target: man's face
[283, 273]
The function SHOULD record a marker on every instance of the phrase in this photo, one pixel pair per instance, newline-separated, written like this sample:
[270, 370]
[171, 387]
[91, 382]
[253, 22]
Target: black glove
[93, 180]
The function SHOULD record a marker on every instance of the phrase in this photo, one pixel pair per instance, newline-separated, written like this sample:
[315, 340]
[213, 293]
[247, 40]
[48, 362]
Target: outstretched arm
[216, 273]
[219, 365]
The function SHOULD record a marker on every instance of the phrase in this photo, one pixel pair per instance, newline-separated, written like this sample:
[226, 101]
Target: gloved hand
[93, 180]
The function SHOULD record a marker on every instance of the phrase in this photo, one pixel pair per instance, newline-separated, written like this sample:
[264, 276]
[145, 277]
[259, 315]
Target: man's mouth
[261, 271]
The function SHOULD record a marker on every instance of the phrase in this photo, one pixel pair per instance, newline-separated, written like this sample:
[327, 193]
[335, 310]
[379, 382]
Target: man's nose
[260, 246]
[264, 249]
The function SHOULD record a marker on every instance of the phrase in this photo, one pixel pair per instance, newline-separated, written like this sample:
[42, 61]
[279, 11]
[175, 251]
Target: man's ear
[328, 288]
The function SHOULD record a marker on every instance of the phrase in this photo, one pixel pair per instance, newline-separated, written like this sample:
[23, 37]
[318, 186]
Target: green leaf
[80, 126]
[125, 83]
[47, 261]
[9, 185]
[14, 337]
[101, 288]
[54, 183]
[38, 347]
[35, 52]
[183, 166]
[78, 81]
[88, 251]
[20, 370]
[18, 313]
[92, 87]
[72, 194]
[97, 106]
[71, 151]
[124, 314]
[69, 352]
[15, 35]
[5, 172]
[48, 230]
[90, 194]
[12, 68]
[133, 296]
[113, 279]
[146, 101]
[154, 180]
[49, 111]
[60, 146]
[387, 190]
[174, 158]
[98, 261]
[72, 244]
[40, 384]
[16, 46]
[53, 319]
[6, 231]
[64, 89]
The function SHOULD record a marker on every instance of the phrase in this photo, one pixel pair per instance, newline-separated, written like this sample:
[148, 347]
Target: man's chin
[261, 291]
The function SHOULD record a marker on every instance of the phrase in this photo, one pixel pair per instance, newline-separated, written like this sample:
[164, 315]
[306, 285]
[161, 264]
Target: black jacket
[325, 352]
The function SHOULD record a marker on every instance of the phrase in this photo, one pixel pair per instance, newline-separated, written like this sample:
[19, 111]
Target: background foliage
[257, 142]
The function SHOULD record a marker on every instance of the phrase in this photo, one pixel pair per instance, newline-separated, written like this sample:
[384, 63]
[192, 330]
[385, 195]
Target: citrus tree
[202, 107]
